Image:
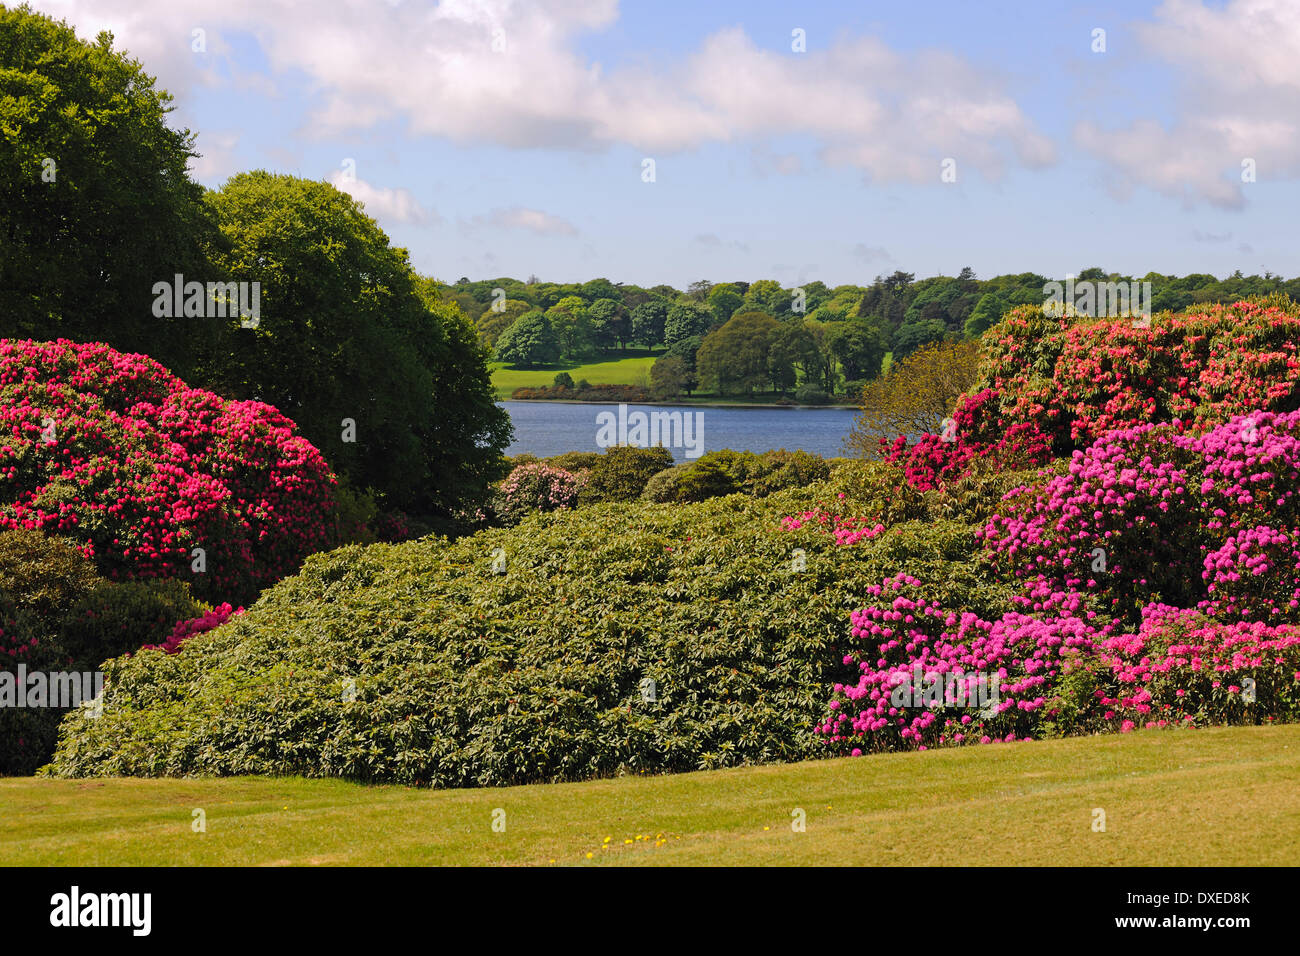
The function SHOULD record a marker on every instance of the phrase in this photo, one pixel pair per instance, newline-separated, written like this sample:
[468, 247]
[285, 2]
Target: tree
[492, 323]
[530, 342]
[609, 326]
[386, 379]
[766, 295]
[723, 301]
[684, 320]
[914, 396]
[698, 290]
[794, 352]
[987, 313]
[686, 350]
[912, 335]
[569, 320]
[859, 347]
[669, 376]
[648, 322]
[96, 205]
[733, 360]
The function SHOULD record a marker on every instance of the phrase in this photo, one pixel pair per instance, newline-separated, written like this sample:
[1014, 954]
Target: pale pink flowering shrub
[536, 487]
[115, 452]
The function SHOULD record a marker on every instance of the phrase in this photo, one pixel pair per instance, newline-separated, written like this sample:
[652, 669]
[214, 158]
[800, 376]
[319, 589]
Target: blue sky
[497, 138]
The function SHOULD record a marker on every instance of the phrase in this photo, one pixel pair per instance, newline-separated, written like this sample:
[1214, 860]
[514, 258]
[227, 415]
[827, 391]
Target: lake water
[552, 428]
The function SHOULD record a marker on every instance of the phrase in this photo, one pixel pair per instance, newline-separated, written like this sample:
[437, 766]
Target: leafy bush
[58, 614]
[118, 454]
[621, 473]
[726, 472]
[122, 616]
[464, 677]
[575, 461]
[563, 380]
[811, 395]
[42, 576]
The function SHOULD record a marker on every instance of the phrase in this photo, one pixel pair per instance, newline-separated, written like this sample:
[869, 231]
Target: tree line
[745, 338]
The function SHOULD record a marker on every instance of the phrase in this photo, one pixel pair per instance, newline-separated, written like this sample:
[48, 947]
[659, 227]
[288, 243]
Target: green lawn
[1206, 797]
[622, 371]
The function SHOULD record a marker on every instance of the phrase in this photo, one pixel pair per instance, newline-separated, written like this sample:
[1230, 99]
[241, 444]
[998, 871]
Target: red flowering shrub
[976, 431]
[116, 453]
[1048, 385]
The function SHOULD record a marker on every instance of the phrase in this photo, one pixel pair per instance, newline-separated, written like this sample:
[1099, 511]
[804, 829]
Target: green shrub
[708, 477]
[621, 473]
[811, 395]
[464, 677]
[43, 576]
[783, 469]
[662, 486]
[563, 380]
[575, 461]
[726, 472]
[122, 616]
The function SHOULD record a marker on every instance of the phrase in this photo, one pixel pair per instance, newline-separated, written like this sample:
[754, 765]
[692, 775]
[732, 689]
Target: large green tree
[96, 205]
[734, 359]
[388, 381]
[530, 342]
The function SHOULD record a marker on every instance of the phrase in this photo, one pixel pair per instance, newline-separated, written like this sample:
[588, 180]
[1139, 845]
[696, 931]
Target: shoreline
[556, 401]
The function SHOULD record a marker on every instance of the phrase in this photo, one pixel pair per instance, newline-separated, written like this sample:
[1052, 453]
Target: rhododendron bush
[115, 452]
[1158, 581]
[1050, 385]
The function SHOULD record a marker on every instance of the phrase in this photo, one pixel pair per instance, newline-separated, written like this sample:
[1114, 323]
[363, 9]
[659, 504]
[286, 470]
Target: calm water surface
[552, 428]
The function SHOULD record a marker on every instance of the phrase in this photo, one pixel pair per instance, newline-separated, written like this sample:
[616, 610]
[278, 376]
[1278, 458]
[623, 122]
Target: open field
[1227, 796]
[622, 371]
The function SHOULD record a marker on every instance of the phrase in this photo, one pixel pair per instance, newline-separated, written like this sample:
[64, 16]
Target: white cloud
[384, 205]
[1239, 68]
[517, 217]
[510, 73]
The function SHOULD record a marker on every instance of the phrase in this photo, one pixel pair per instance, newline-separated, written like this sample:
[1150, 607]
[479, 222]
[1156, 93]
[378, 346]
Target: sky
[668, 142]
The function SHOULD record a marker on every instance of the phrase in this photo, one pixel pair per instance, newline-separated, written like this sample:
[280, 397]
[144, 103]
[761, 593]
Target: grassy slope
[623, 371]
[1207, 797]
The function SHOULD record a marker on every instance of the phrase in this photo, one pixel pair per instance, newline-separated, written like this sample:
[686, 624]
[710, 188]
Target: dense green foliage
[58, 614]
[95, 202]
[416, 663]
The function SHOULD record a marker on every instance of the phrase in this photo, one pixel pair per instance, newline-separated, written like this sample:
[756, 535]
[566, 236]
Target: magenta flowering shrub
[1182, 668]
[1151, 513]
[537, 487]
[1051, 385]
[846, 530]
[116, 453]
[184, 630]
[993, 680]
[1158, 581]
